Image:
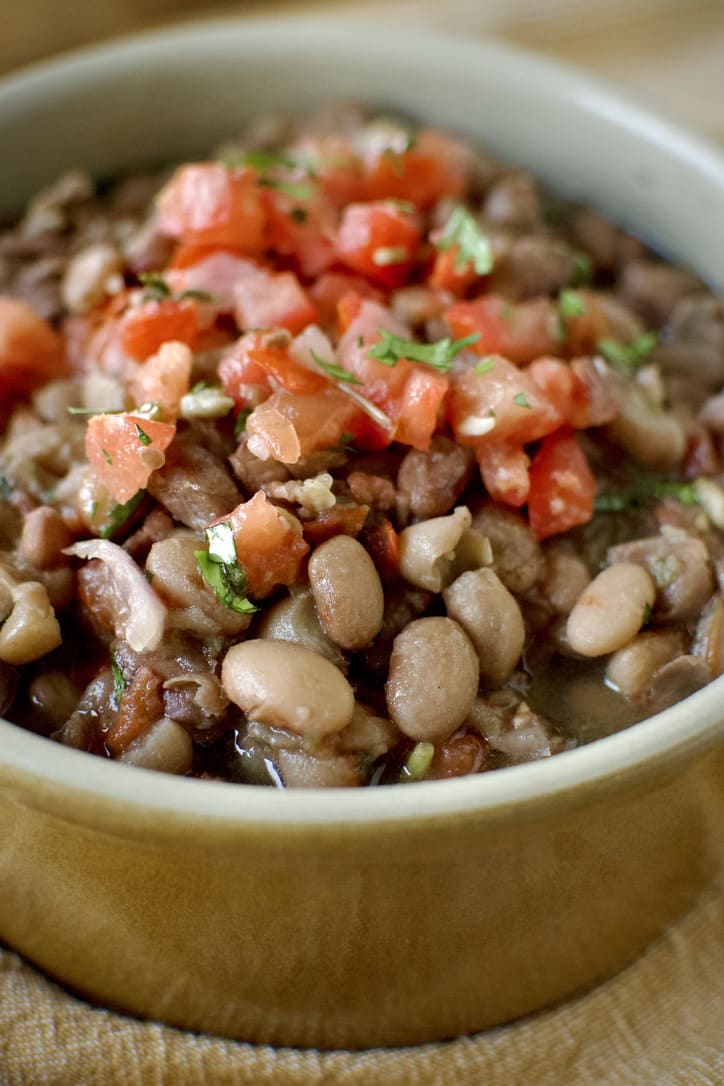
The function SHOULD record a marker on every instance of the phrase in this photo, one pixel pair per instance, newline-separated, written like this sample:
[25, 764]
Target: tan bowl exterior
[382, 917]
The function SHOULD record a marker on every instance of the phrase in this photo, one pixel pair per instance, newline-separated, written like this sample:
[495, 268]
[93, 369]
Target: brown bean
[492, 619]
[43, 538]
[347, 592]
[287, 686]
[433, 679]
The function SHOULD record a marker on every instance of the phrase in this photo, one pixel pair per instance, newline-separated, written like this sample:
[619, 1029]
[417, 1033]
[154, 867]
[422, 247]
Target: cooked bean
[709, 637]
[31, 630]
[287, 686]
[433, 679]
[679, 565]
[611, 610]
[43, 538]
[54, 695]
[630, 669]
[90, 276]
[654, 436]
[492, 619]
[427, 549]
[431, 481]
[295, 619]
[652, 288]
[566, 576]
[166, 746]
[517, 555]
[513, 201]
[676, 680]
[347, 592]
[194, 484]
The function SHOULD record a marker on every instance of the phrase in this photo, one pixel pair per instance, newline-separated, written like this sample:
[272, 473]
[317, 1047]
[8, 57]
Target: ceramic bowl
[363, 917]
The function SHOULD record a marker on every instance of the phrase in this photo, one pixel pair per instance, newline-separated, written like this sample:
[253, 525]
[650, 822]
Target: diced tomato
[338, 168]
[502, 404]
[562, 487]
[124, 450]
[558, 384]
[301, 229]
[214, 272]
[287, 427]
[504, 470]
[519, 332]
[269, 544]
[273, 300]
[146, 327]
[30, 351]
[331, 294]
[451, 274]
[164, 378]
[208, 204]
[258, 362]
[434, 166]
[420, 407]
[380, 241]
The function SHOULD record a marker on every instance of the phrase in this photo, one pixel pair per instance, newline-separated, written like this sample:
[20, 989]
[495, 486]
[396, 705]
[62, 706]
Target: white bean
[491, 618]
[347, 592]
[31, 630]
[433, 679]
[166, 746]
[287, 686]
[631, 668]
[611, 610]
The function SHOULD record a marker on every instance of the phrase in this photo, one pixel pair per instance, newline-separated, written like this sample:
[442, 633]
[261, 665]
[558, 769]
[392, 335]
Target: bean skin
[287, 686]
[611, 610]
[347, 592]
[491, 618]
[433, 679]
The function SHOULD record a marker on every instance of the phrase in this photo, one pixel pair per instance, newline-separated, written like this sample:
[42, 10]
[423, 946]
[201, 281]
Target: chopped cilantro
[484, 366]
[474, 248]
[582, 269]
[196, 296]
[628, 359]
[298, 214]
[157, 289]
[521, 399]
[571, 304]
[142, 436]
[107, 456]
[296, 190]
[262, 159]
[222, 570]
[439, 355]
[646, 490]
[119, 683]
[647, 614]
[338, 372]
[120, 514]
[240, 424]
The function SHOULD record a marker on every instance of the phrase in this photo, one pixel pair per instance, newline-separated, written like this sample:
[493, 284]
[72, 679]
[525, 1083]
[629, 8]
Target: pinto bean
[492, 619]
[166, 746]
[347, 592]
[295, 619]
[611, 610]
[679, 565]
[565, 578]
[43, 538]
[31, 630]
[431, 481]
[287, 686]
[194, 485]
[433, 679]
[652, 288]
[630, 669]
[709, 637]
[654, 436]
[513, 201]
[517, 555]
[427, 549]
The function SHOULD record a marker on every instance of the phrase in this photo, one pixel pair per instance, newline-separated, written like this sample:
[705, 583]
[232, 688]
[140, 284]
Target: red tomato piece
[30, 351]
[215, 272]
[380, 241]
[287, 427]
[452, 275]
[208, 204]
[519, 332]
[146, 327]
[124, 450]
[273, 300]
[562, 487]
[164, 378]
[331, 294]
[301, 229]
[269, 544]
[433, 167]
[337, 166]
[420, 407]
[504, 471]
[502, 404]
[256, 362]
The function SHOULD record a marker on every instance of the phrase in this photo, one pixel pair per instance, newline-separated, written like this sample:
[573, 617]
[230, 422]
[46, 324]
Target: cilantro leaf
[120, 514]
[484, 366]
[119, 683]
[297, 190]
[474, 248]
[646, 490]
[338, 372]
[521, 400]
[628, 359]
[222, 570]
[440, 355]
[157, 289]
[142, 436]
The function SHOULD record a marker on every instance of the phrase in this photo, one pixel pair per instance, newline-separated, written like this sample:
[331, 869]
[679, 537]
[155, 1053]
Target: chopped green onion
[474, 247]
[418, 762]
[439, 355]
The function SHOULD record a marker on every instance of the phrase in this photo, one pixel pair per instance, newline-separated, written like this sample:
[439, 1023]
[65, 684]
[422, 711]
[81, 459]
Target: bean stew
[350, 456]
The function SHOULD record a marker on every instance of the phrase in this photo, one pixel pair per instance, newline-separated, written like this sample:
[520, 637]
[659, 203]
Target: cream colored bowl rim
[644, 751]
